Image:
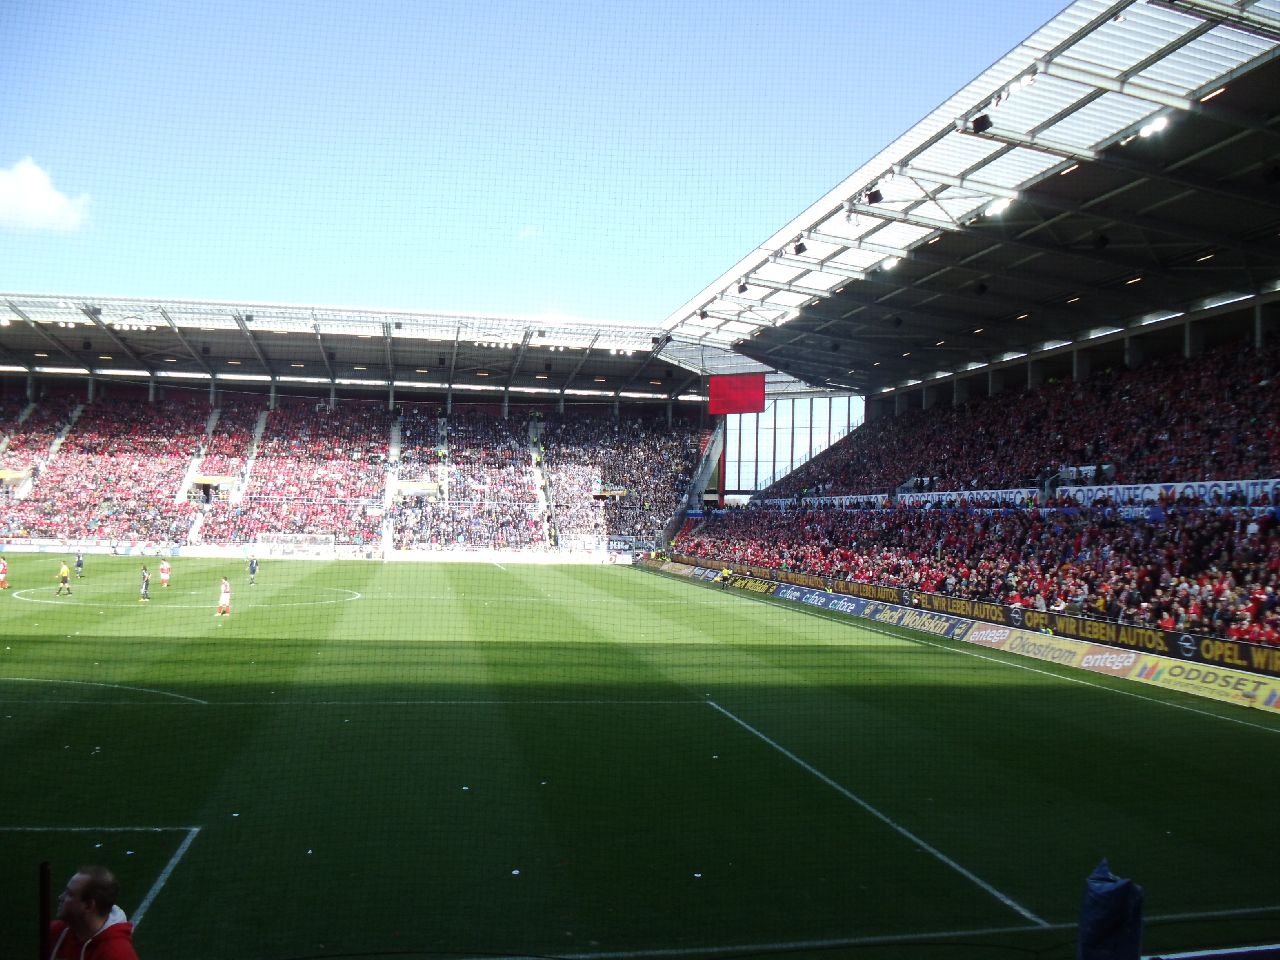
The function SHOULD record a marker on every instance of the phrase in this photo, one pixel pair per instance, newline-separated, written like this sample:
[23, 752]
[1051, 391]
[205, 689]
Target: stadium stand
[230, 443]
[117, 474]
[1211, 418]
[617, 477]
[1179, 562]
[316, 471]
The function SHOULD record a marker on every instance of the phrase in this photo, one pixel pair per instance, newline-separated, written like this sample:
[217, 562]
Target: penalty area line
[884, 818]
[111, 686]
[748, 949]
[192, 833]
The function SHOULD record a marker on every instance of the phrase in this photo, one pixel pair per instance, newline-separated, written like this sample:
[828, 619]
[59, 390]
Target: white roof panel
[1017, 167]
[1101, 120]
[1033, 106]
[1160, 57]
[956, 153]
[1203, 60]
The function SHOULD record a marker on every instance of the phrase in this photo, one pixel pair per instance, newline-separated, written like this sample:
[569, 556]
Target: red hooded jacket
[113, 942]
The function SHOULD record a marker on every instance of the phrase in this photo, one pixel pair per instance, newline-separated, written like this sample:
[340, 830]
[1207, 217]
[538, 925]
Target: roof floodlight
[981, 123]
[742, 285]
[799, 248]
[997, 207]
[874, 195]
[890, 262]
[1154, 126]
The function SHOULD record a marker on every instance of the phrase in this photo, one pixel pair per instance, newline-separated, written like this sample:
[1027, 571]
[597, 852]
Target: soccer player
[165, 570]
[146, 585]
[224, 599]
[253, 571]
[4, 574]
[79, 566]
[64, 579]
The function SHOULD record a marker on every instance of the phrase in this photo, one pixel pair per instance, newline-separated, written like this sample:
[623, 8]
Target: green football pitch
[405, 760]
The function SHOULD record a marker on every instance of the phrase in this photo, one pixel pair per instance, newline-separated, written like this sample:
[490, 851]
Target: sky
[587, 160]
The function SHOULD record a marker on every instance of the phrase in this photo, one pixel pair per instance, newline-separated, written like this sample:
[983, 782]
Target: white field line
[5, 829]
[113, 604]
[1227, 952]
[1216, 915]
[345, 703]
[866, 625]
[1083, 682]
[90, 683]
[192, 833]
[747, 949]
[883, 818]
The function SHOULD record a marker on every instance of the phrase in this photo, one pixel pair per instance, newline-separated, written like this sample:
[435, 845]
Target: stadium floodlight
[998, 206]
[1154, 126]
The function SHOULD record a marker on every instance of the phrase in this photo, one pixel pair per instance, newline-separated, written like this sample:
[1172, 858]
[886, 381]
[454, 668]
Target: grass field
[469, 760]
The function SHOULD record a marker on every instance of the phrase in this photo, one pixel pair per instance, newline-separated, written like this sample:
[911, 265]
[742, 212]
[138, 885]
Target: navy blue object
[1110, 917]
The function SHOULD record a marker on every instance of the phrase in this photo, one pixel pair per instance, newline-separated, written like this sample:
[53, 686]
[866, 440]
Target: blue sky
[567, 160]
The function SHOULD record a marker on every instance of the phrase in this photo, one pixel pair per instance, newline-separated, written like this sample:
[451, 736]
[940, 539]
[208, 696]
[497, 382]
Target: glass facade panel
[763, 447]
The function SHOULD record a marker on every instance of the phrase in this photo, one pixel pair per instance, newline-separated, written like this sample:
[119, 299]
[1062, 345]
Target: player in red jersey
[165, 570]
[224, 599]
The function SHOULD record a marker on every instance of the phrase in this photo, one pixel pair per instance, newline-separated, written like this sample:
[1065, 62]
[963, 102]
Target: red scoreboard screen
[736, 393]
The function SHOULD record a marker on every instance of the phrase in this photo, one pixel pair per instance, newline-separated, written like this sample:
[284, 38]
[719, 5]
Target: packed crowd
[422, 444]
[1180, 565]
[1220, 421]
[227, 449]
[487, 495]
[350, 522]
[318, 470]
[323, 471]
[423, 523]
[489, 460]
[616, 476]
[29, 441]
[309, 450]
[117, 475]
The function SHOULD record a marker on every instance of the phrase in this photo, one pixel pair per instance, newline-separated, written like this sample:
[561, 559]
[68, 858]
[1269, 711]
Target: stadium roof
[1118, 167]
[310, 347]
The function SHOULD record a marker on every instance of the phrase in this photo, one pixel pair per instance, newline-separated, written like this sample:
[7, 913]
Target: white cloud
[29, 200]
[528, 233]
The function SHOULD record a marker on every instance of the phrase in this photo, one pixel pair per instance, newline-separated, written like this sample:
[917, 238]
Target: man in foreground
[90, 926]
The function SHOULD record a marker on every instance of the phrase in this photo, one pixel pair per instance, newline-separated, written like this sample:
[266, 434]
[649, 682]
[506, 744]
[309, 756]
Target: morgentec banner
[1206, 490]
[1013, 496]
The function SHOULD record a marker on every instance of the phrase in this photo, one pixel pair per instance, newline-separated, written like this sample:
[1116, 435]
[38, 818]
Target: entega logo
[1109, 661]
[992, 636]
[1187, 645]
